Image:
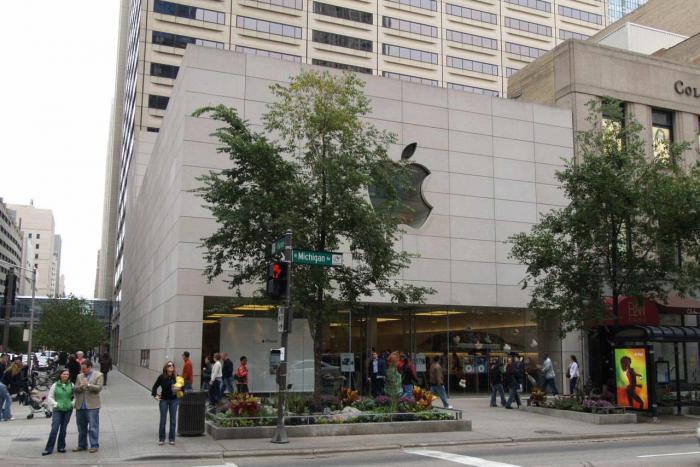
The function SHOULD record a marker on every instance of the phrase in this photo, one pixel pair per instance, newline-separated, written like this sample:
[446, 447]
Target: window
[145, 358]
[580, 14]
[524, 50]
[564, 34]
[269, 27]
[268, 53]
[410, 54]
[38, 236]
[535, 4]
[36, 246]
[662, 132]
[36, 266]
[527, 26]
[36, 255]
[511, 71]
[343, 13]
[613, 119]
[191, 12]
[472, 65]
[152, 129]
[472, 89]
[424, 4]
[476, 15]
[471, 39]
[412, 79]
[342, 41]
[176, 40]
[157, 102]
[164, 71]
[409, 26]
[295, 4]
[341, 66]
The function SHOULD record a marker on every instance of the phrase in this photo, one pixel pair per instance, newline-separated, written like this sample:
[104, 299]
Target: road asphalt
[129, 434]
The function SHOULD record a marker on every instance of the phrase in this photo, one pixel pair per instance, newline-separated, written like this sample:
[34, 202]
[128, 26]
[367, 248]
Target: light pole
[31, 311]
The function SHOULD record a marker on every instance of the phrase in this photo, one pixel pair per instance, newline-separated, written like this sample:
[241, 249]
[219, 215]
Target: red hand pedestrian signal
[277, 279]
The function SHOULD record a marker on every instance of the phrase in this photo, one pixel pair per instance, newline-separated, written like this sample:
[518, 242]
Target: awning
[658, 334]
[676, 304]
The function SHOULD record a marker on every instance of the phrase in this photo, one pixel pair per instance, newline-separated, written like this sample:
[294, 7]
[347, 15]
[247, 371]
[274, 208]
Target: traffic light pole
[280, 435]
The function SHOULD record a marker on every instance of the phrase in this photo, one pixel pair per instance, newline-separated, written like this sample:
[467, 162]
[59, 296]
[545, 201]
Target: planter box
[595, 418]
[340, 429]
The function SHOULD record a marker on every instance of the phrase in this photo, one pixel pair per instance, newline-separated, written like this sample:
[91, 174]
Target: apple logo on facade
[414, 209]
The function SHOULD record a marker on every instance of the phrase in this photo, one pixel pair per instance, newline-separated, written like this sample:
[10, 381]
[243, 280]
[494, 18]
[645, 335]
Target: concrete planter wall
[341, 429]
[595, 418]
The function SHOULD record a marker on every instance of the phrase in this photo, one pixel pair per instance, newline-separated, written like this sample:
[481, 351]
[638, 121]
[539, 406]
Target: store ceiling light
[254, 307]
[384, 320]
[225, 315]
[439, 313]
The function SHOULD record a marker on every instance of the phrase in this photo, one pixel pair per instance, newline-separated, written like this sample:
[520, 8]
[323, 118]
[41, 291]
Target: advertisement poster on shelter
[631, 377]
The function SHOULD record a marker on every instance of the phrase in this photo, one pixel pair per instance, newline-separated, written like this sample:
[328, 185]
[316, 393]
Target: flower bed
[597, 411]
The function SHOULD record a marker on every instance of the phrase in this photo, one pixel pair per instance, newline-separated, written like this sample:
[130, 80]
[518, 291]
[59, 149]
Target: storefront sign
[631, 377]
[347, 362]
[632, 312]
[420, 363]
[690, 91]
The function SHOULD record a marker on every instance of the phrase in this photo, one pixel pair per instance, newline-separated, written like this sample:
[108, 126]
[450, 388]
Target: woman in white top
[215, 381]
[573, 374]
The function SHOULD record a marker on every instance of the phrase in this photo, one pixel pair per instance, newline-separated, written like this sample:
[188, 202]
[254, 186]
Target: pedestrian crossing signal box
[276, 358]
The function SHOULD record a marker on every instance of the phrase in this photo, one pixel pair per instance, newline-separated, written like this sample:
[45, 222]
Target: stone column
[642, 113]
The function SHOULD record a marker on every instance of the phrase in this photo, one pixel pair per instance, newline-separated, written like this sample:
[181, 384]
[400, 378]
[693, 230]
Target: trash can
[191, 415]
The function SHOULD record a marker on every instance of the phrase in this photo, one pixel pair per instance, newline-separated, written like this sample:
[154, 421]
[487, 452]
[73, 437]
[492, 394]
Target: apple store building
[484, 168]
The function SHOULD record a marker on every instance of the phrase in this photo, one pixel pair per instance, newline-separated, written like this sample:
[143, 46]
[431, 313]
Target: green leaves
[621, 233]
[70, 325]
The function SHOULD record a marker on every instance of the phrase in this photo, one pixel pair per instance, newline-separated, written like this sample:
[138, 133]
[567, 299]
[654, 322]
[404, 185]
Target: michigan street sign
[317, 258]
[278, 245]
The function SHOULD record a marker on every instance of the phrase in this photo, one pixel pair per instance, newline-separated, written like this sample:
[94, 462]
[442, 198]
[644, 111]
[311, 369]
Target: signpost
[278, 245]
[317, 258]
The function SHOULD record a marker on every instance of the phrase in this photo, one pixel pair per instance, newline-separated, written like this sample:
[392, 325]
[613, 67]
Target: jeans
[59, 425]
[165, 407]
[88, 421]
[188, 386]
[104, 374]
[5, 403]
[228, 385]
[407, 391]
[513, 396]
[497, 388]
[572, 385]
[550, 382]
[439, 389]
[214, 394]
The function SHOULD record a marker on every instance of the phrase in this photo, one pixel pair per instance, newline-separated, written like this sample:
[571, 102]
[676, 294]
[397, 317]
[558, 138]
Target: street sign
[278, 245]
[317, 258]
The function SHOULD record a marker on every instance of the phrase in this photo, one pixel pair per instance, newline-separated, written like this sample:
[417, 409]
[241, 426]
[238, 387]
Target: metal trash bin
[191, 414]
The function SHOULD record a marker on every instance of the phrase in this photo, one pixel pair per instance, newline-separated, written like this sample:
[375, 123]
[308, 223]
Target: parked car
[301, 376]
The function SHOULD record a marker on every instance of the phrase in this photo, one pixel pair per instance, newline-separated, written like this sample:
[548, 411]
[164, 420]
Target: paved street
[129, 424]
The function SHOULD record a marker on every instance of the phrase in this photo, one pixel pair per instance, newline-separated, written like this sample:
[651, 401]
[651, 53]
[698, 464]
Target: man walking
[87, 404]
[215, 381]
[436, 381]
[549, 375]
[514, 380]
[226, 373]
[73, 367]
[377, 374]
[496, 383]
[187, 370]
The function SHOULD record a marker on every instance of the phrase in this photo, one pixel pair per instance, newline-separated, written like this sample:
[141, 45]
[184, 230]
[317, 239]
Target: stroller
[36, 399]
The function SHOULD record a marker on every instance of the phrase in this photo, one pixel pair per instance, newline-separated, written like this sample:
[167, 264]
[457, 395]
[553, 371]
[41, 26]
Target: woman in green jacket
[60, 400]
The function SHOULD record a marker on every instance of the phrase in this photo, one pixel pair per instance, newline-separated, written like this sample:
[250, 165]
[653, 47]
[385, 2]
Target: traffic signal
[10, 288]
[277, 278]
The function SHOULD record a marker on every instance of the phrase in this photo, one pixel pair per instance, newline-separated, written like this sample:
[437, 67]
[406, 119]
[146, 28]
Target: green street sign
[278, 245]
[317, 258]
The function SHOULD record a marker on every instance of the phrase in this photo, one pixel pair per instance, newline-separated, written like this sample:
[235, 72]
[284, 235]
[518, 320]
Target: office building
[616, 9]
[38, 226]
[10, 244]
[56, 264]
[468, 45]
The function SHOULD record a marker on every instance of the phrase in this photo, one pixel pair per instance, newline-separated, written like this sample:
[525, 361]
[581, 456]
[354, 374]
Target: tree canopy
[69, 325]
[631, 227]
[313, 178]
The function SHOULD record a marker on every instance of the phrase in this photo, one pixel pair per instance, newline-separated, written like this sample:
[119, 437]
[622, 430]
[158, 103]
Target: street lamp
[31, 311]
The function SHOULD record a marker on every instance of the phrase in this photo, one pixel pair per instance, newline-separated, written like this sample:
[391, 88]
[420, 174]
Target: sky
[56, 90]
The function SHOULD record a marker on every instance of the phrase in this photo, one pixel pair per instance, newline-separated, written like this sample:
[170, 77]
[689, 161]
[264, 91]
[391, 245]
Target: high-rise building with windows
[616, 9]
[10, 244]
[468, 45]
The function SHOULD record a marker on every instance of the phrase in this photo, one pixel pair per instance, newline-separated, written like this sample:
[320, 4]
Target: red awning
[680, 305]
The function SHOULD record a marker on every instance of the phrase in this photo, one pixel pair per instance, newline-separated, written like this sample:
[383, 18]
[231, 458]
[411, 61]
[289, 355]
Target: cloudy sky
[56, 88]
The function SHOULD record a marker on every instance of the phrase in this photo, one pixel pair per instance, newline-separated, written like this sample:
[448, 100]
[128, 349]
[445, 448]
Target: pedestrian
[377, 374]
[187, 370]
[496, 377]
[408, 376]
[73, 367]
[5, 402]
[242, 375]
[13, 377]
[4, 361]
[62, 358]
[206, 372]
[549, 375]
[60, 401]
[167, 401]
[436, 381]
[215, 380]
[514, 380]
[87, 406]
[573, 374]
[80, 357]
[105, 365]
[226, 374]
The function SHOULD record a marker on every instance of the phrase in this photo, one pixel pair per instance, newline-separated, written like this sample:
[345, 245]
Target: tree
[631, 228]
[69, 325]
[314, 180]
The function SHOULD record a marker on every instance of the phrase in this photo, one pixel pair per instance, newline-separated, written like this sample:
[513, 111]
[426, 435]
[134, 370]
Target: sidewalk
[129, 429]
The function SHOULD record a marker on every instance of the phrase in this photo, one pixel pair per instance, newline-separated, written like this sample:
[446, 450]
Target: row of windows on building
[661, 129]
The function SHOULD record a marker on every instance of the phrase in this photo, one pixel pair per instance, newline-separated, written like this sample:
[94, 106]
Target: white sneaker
[449, 407]
[160, 443]
[11, 418]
